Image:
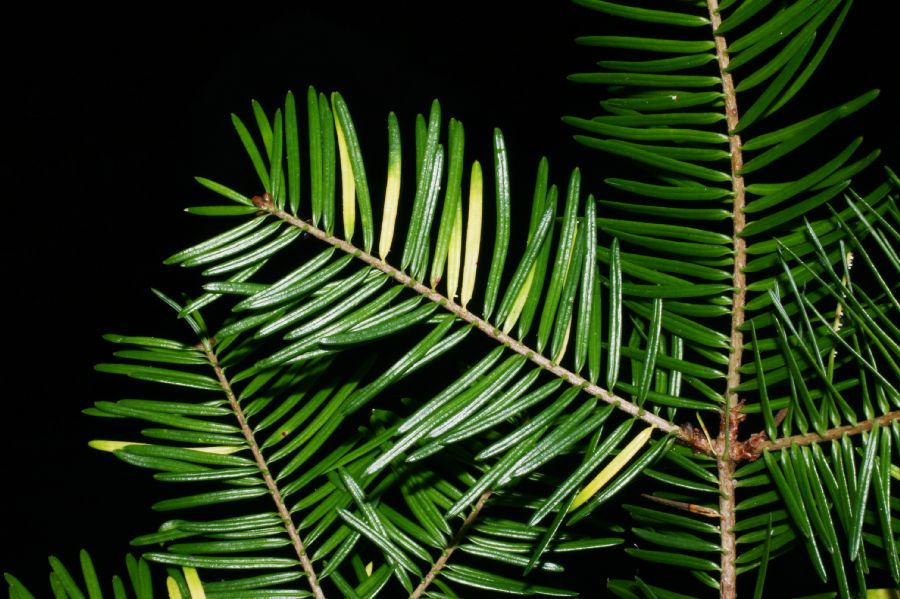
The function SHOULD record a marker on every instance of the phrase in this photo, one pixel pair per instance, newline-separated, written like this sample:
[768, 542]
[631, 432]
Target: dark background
[109, 117]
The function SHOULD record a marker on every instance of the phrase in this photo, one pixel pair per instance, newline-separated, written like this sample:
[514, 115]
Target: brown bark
[731, 416]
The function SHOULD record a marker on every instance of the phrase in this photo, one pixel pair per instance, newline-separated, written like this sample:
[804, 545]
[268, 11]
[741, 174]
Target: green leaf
[588, 465]
[188, 455]
[536, 284]
[678, 232]
[348, 134]
[316, 167]
[16, 589]
[364, 395]
[641, 154]
[793, 136]
[561, 263]
[663, 119]
[644, 14]
[863, 484]
[670, 192]
[292, 142]
[789, 494]
[224, 191]
[211, 498]
[250, 146]
[535, 245]
[882, 483]
[426, 183]
[662, 65]
[361, 334]
[230, 546]
[221, 563]
[662, 102]
[563, 321]
[681, 540]
[691, 214]
[297, 282]
[740, 15]
[473, 235]
[162, 375]
[221, 240]
[501, 238]
[326, 134]
[276, 173]
[504, 407]
[673, 559]
[221, 210]
[452, 200]
[381, 541]
[588, 311]
[771, 221]
[264, 126]
[153, 342]
[786, 20]
[646, 44]
[548, 535]
[251, 582]
[615, 315]
[649, 366]
[260, 253]
[812, 64]
[392, 189]
[65, 579]
[622, 480]
[492, 582]
[648, 134]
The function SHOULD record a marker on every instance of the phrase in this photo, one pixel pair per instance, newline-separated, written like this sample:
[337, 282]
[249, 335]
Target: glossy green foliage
[352, 411]
[664, 109]
[84, 582]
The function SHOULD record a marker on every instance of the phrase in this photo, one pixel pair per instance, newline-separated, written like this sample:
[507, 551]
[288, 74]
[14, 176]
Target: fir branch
[265, 203]
[457, 539]
[283, 511]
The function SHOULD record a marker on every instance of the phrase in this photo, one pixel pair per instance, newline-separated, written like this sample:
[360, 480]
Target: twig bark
[457, 539]
[727, 439]
[296, 541]
[758, 443]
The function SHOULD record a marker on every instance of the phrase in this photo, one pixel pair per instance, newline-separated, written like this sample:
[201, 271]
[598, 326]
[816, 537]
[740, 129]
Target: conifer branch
[457, 539]
[265, 203]
[297, 543]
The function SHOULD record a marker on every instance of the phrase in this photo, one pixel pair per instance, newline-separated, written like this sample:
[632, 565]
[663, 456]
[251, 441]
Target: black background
[111, 114]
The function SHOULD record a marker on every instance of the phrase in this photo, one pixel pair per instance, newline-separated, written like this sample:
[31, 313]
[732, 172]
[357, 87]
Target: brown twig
[457, 539]
[760, 442]
[296, 541]
[731, 410]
